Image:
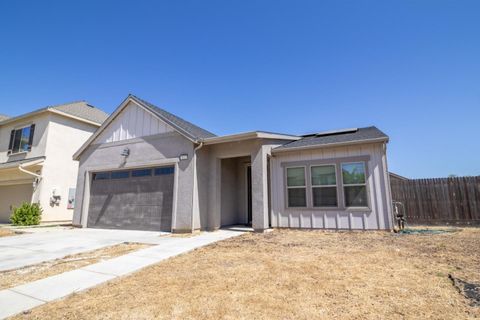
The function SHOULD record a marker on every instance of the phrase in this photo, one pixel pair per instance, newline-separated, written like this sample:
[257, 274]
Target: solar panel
[334, 132]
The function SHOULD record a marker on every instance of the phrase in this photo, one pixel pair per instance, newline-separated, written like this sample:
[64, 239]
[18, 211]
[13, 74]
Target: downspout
[29, 172]
[37, 176]
[195, 186]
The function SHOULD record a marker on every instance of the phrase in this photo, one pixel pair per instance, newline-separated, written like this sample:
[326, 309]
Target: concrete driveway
[54, 243]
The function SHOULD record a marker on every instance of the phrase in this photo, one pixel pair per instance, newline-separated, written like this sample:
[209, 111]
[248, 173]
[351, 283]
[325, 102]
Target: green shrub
[26, 215]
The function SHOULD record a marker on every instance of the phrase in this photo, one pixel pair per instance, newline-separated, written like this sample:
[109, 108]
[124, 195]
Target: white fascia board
[248, 135]
[75, 117]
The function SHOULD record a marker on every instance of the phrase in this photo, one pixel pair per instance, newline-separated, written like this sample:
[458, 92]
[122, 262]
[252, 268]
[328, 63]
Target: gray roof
[188, 128]
[80, 109]
[336, 137]
[83, 110]
[3, 117]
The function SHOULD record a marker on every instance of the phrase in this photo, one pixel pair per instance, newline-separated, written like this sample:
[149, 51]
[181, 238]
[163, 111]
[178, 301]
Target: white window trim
[296, 187]
[355, 185]
[336, 185]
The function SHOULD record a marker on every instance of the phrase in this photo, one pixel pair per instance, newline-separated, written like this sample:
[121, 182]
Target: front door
[249, 195]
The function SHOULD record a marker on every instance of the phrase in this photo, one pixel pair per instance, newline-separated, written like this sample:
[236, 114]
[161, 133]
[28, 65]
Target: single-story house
[147, 169]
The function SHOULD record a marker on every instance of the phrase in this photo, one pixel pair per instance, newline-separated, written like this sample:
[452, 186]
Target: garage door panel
[140, 203]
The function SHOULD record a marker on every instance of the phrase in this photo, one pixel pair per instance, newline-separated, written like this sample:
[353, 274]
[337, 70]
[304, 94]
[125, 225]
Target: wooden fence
[439, 201]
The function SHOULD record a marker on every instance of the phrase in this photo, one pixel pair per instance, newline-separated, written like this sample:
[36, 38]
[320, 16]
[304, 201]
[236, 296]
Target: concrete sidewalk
[46, 244]
[30, 295]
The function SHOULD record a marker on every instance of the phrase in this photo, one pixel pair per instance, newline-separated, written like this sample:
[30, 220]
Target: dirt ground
[7, 232]
[293, 274]
[12, 278]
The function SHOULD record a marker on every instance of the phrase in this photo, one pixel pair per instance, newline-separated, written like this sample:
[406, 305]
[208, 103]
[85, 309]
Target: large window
[354, 184]
[329, 184]
[324, 186]
[296, 187]
[21, 139]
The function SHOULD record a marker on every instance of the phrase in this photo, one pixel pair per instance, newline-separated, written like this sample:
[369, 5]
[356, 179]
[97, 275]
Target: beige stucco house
[36, 163]
[148, 169]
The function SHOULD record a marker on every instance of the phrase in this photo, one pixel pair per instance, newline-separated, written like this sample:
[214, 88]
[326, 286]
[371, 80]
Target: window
[296, 188]
[354, 184]
[120, 174]
[21, 139]
[324, 186]
[142, 173]
[101, 176]
[164, 170]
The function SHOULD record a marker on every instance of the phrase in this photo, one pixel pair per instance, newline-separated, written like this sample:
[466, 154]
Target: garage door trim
[89, 178]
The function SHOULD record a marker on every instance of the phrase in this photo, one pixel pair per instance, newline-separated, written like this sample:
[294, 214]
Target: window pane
[323, 175]
[101, 176]
[325, 197]
[297, 197]
[141, 173]
[162, 171]
[295, 177]
[120, 174]
[24, 146]
[356, 196]
[353, 173]
[16, 141]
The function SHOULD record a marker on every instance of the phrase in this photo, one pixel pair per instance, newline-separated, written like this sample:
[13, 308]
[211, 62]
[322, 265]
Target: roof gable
[133, 122]
[186, 128]
[168, 120]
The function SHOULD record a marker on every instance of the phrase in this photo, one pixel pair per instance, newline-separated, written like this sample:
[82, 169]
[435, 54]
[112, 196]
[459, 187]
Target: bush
[26, 215]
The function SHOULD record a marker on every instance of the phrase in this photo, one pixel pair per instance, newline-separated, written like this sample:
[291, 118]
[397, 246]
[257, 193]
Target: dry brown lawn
[293, 274]
[7, 232]
[12, 278]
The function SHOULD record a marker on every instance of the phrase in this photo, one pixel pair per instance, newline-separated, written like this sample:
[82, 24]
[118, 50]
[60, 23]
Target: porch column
[260, 189]
[214, 194]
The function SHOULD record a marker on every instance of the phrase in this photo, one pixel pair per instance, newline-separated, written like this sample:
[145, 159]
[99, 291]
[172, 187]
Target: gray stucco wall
[209, 176]
[157, 150]
[233, 200]
[378, 217]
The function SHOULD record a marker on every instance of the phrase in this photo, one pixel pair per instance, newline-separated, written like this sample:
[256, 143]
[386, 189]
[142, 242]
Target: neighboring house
[36, 163]
[148, 169]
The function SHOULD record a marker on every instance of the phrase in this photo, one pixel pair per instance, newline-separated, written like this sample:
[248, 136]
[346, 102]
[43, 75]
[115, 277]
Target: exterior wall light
[183, 156]
[125, 153]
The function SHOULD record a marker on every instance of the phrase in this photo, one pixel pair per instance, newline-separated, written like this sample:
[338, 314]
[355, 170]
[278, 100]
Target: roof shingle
[79, 109]
[188, 128]
[83, 110]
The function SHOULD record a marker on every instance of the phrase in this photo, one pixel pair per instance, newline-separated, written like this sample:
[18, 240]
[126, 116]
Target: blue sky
[412, 68]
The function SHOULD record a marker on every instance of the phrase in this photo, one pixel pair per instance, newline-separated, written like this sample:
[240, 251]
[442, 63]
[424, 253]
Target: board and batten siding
[379, 217]
[133, 122]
